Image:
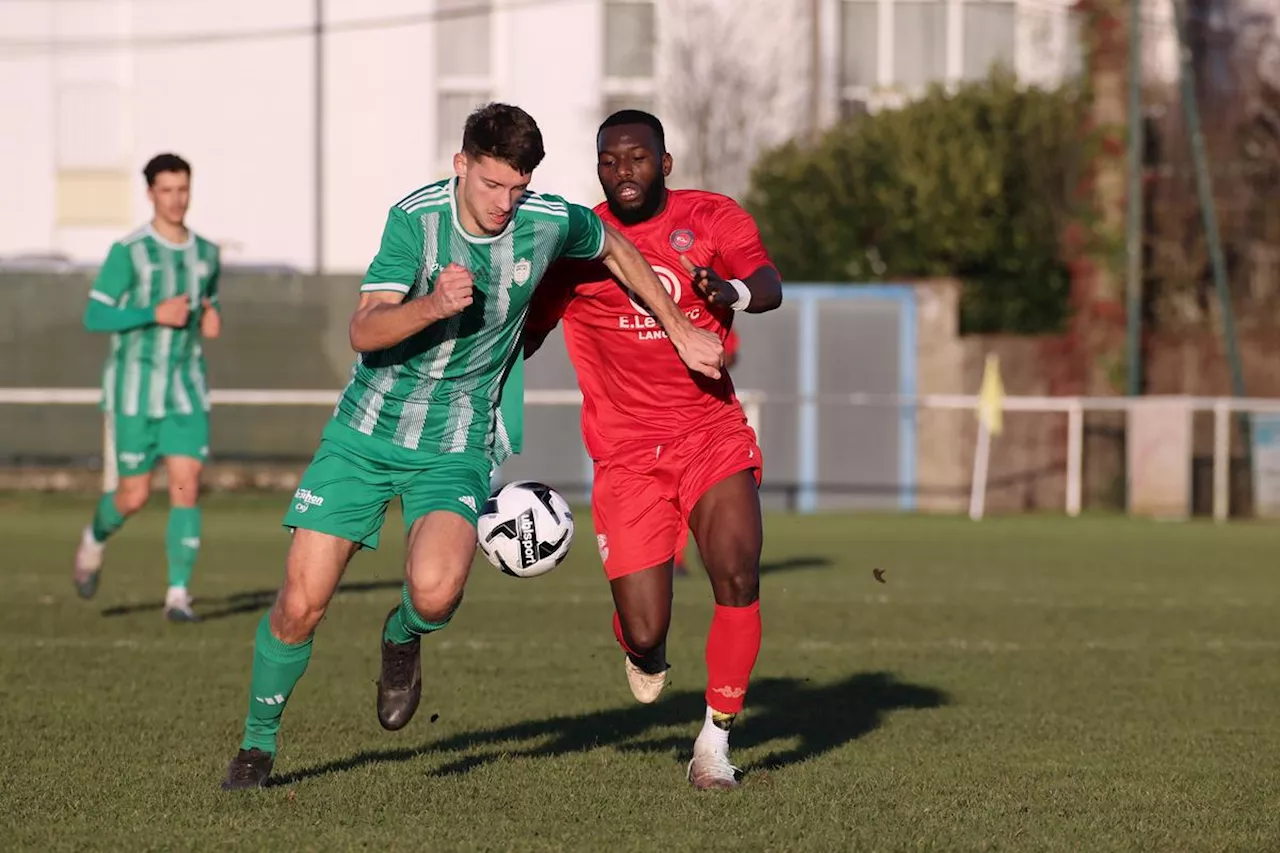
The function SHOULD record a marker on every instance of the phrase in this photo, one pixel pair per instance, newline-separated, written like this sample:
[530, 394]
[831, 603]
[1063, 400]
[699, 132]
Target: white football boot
[88, 564]
[710, 768]
[644, 686]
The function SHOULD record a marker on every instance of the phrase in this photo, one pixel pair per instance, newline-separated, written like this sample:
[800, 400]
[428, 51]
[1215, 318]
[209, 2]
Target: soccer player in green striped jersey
[157, 296]
[434, 403]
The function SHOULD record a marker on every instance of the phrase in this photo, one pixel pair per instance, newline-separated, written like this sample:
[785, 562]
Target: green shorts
[345, 490]
[136, 441]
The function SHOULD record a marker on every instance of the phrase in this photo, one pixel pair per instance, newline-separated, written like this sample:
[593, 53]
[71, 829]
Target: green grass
[1021, 684]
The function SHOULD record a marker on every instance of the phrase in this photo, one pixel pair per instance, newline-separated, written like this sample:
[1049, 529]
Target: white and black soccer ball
[525, 529]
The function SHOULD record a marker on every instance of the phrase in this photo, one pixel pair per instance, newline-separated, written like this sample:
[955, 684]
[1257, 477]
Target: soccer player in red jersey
[671, 449]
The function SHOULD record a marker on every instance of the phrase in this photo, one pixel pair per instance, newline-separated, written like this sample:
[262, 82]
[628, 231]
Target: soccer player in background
[157, 296]
[434, 403]
[671, 448]
[682, 543]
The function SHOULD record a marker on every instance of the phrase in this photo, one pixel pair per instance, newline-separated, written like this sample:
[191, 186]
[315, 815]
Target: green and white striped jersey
[458, 384]
[155, 370]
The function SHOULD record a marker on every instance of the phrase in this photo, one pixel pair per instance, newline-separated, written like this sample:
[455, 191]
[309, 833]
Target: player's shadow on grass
[802, 719]
[817, 717]
[237, 603]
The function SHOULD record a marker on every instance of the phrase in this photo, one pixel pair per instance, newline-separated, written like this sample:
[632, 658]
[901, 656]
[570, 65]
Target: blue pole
[807, 426]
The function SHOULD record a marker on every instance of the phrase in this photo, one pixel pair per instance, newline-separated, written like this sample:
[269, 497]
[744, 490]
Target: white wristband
[744, 294]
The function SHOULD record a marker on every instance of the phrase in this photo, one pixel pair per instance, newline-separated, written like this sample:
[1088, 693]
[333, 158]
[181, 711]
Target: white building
[299, 144]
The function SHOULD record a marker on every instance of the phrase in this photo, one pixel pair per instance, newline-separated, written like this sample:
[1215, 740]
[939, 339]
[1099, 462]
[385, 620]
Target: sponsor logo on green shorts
[306, 500]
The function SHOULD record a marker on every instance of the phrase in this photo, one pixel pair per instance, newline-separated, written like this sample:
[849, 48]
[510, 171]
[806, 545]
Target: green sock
[106, 518]
[407, 624]
[182, 543]
[277, 666]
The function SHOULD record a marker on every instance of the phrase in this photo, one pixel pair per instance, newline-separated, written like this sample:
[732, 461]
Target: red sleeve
[738, 241]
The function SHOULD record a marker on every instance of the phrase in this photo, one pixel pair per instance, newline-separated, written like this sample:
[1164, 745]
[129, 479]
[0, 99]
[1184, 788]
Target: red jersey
[634, 386]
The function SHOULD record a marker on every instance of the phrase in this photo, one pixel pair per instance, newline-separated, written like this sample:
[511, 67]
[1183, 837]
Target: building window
[859, 43]
[881, 53]
[630, 45]
[919, 43]
[463, 68]
[989, 31]
[462, 38]
[630, 36]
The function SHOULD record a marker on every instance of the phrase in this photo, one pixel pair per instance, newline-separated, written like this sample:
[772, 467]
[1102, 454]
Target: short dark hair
[505, 133]
[164, 163]
[649, 120]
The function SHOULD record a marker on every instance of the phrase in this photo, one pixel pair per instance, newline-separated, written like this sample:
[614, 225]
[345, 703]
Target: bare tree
[1234, 51]
[729, 92]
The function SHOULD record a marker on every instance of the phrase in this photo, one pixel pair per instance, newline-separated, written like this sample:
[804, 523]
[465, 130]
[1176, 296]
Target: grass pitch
[1021, 684]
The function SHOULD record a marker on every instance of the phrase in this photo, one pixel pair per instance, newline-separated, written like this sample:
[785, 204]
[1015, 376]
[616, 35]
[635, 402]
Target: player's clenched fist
[174, 312]
[701, 350]
[453, 290]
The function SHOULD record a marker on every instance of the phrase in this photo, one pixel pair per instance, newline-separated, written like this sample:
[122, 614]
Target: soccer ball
[525, 529]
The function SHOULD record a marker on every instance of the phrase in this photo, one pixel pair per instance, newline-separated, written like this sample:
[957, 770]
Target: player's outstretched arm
[699, 349]
[383, 319]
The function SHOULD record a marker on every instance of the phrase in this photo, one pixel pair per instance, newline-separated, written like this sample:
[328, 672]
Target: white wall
[26, 142]
[550, 62]
[379, 124]
[240, 111]
[84, 98]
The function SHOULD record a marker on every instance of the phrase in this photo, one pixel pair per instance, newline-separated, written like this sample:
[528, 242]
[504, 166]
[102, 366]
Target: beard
[654, 195]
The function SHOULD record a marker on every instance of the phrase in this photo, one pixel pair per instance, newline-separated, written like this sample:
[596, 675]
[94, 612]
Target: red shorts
[642, 497]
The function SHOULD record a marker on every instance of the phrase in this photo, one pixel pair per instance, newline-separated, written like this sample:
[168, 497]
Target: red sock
[617, 632]
[732, 647]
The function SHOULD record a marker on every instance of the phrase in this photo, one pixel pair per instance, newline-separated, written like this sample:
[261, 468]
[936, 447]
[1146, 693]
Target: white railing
[270, 397]
[1073, 407]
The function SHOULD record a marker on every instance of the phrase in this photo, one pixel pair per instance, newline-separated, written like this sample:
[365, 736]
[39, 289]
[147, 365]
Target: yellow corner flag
[991, 397]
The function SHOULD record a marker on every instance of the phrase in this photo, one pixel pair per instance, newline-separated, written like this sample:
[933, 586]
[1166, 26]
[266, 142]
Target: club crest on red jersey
[682, 239]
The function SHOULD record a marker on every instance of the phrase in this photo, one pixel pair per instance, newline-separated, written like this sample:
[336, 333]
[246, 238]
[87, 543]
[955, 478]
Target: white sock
[177, 595]
[712, 737]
